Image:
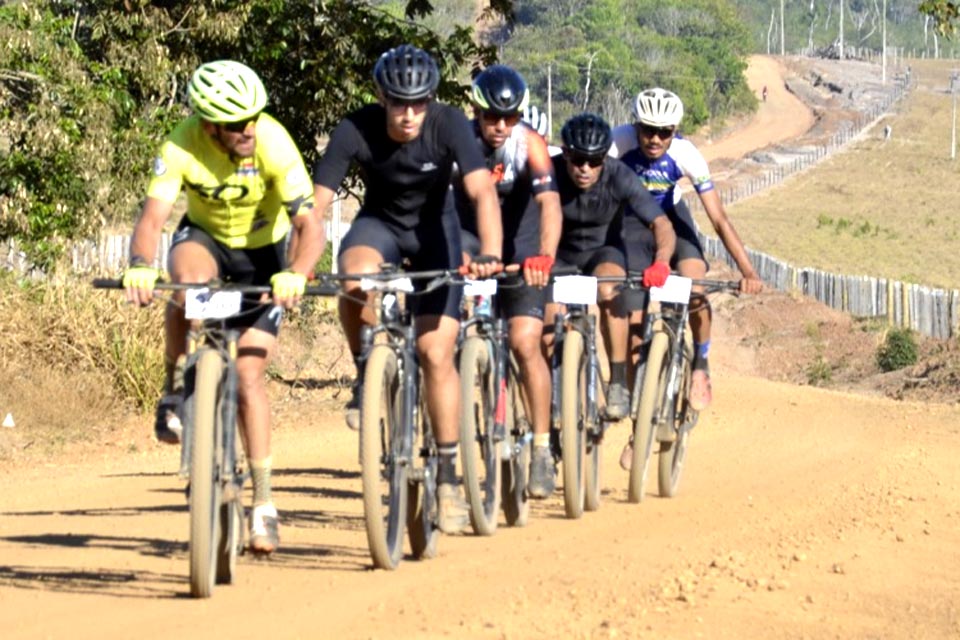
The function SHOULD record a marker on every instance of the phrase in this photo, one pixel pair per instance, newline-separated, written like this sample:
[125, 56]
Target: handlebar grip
[564, 270]
[107, 283]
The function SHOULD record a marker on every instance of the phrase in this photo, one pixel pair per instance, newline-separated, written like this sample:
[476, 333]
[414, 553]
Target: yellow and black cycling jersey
[241, 202]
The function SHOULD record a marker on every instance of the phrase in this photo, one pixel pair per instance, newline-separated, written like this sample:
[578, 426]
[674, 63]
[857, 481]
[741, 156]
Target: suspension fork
[555, 363]
[501, 357]
[593, 375]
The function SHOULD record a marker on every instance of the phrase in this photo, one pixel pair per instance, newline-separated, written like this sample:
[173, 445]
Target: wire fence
[929, 311]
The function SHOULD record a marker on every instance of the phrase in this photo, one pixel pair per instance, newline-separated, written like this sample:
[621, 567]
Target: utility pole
[954, 79]
[883, 47]
[783, 35]
[549, 100]
[841, 30]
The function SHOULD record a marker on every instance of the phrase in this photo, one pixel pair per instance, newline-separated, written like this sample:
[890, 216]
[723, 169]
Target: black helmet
[588, 134]
[500, 90]
[407, 73]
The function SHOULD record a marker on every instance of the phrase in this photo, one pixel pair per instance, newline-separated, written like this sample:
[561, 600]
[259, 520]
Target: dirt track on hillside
[802, 513]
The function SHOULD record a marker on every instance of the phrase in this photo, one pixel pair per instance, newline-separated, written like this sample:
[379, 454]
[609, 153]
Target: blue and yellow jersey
[241, 202]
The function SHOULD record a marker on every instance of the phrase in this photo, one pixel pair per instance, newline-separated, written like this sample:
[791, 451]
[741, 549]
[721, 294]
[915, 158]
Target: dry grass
[880, 208]
[72, 358]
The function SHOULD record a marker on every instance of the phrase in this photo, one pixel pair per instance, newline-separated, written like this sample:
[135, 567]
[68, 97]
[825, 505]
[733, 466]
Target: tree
[89, 87]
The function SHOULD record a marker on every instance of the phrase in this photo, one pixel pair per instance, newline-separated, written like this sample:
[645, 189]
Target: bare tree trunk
[783, 33]
[586, 85]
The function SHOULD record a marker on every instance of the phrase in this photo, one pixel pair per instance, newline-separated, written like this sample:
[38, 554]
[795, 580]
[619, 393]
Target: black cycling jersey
[404, 181]
[593, 218]
[522, 169]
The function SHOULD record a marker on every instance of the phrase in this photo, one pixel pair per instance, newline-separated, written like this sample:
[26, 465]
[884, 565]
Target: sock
[618, 372]
[260, 473]
[541, 439]
[700, 353]
[447, 473]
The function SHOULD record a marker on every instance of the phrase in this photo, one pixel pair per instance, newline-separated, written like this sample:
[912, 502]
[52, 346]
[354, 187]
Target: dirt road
[802, 513]
[782, 117]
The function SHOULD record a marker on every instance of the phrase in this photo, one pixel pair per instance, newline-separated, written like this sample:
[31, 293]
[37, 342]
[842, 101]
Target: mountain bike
[398, 453]
[211, 457]
[578, 394]
[660, 409]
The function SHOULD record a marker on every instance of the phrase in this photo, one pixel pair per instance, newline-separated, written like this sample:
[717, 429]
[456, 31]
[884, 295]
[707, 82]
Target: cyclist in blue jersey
[597, 193]
[656, 153]
[406, 145]
[518, 159]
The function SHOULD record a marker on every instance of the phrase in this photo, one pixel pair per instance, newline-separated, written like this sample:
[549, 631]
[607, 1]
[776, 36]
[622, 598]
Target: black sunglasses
[579, 159]
[664, 133]
[241, 126]
[493, 118]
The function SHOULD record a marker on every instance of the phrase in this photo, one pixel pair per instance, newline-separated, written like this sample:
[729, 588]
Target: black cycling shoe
[168, 426]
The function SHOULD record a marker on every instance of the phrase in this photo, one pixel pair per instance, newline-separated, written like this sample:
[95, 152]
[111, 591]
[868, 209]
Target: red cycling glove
[656, 274]
[538, 263]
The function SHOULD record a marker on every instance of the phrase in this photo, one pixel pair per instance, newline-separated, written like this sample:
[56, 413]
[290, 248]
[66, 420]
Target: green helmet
[226, 91]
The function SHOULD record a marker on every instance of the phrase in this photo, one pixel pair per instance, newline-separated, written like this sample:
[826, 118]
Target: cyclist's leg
[524, 306]
[368, 244]
[436, 245]
[692, 264]
[614, 327]
[194, 257]
[641, 247]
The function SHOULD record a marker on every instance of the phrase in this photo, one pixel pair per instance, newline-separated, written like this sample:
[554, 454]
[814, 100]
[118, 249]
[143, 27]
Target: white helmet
[658, 108]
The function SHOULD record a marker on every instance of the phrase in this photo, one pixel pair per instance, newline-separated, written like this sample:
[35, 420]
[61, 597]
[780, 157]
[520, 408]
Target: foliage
[89, 87]
[601, 53]
[898, 350]
[945, 14]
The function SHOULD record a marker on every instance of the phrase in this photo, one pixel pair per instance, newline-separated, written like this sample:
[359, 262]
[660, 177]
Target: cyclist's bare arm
[551, 225]
[145, 240]
[480, 188]
[307, 242]
[666, 238]
[751, 282]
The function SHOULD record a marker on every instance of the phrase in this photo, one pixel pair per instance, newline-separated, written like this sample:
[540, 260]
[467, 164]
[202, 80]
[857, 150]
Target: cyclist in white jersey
[661, 158]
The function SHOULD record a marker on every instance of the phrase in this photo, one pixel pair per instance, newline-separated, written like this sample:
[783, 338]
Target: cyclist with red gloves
[518, 159]
[597, 192]
[248, 196]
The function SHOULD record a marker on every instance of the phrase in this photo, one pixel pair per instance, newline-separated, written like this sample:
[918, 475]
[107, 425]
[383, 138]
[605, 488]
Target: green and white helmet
[226, 91]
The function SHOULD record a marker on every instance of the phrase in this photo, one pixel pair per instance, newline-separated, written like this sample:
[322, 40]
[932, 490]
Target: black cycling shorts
[642, 249]
[430, 245]
[242, 266]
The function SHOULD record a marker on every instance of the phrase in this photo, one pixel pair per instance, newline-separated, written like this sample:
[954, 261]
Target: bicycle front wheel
[382, 470]
[673, 453]
[654, 381]
[573, 402]
[478, 451]
[204, 477]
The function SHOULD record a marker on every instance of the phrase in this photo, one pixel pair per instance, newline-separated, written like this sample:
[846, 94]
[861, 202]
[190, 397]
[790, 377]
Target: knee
[526, 344]
[437, 357]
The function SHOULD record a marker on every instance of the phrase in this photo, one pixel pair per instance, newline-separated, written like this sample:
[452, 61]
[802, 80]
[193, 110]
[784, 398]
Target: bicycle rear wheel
[205, 376]
[573, 394]
[654, 380]
[515, 458]
[478, 451]
[382, 470]
[673, 453]
[231, 540]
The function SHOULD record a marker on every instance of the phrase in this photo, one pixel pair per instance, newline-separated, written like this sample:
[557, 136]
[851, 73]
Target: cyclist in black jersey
[517, 157]
[405, 146]
[595, 191]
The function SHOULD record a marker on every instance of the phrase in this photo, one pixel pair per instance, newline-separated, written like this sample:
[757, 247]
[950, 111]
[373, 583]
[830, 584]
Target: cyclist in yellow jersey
[250, 219]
